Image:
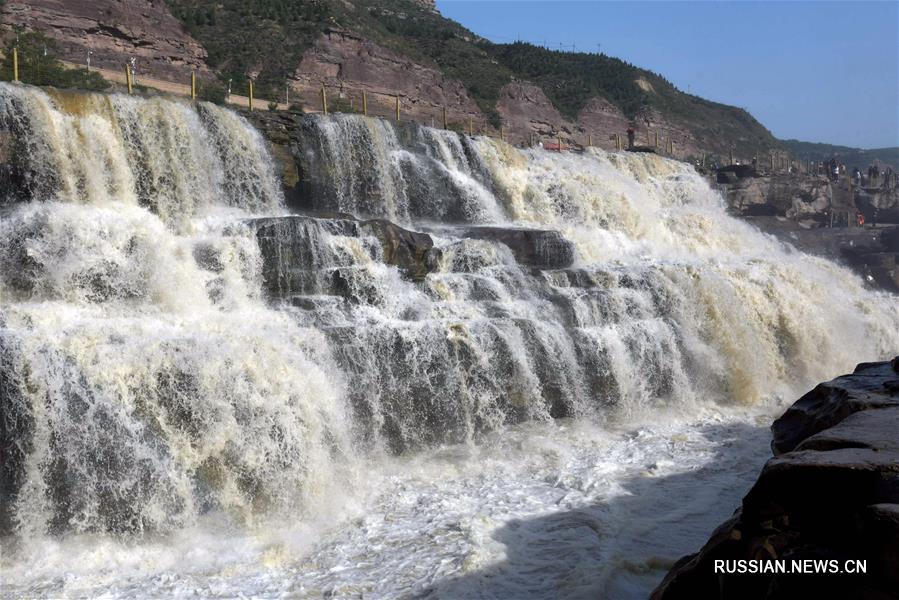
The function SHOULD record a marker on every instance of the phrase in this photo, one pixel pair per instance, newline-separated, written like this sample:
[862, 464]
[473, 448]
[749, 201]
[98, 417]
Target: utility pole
[128, 80]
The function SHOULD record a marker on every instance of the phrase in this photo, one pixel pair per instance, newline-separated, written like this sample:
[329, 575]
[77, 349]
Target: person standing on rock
[630, 138]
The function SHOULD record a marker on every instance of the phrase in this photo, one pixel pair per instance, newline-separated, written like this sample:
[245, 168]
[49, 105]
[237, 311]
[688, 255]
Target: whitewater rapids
[178, 422]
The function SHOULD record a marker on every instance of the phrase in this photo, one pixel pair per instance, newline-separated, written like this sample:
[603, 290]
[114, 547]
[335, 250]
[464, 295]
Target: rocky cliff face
[115, 31]
[526, 111]
[346, 64]
[819, 217]
[831, 493]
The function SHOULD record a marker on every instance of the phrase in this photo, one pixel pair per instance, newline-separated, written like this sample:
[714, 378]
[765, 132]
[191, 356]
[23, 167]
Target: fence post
[560, 144]
[470, 128]
[731, 156]
[657, 139]
[15, 64]
[251, 95]
[618, 141]
[324, 101]
[193, 85]
[364, 104]
[128, 77]
[502, 134]
[589, 140]
[397, 109]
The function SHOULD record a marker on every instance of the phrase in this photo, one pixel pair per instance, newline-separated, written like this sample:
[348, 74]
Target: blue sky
[823, 71]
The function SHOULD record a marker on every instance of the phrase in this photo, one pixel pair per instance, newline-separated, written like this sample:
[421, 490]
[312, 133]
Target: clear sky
[823, 71]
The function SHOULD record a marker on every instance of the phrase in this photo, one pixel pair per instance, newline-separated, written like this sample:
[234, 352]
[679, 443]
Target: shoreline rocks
[831, 493]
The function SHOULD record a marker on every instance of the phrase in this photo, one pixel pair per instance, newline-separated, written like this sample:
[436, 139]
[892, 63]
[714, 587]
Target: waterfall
[143, 379]
[161, 154]
[173, 344]
[366, 166]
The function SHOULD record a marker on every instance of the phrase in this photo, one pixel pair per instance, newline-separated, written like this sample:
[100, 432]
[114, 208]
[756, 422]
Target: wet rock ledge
[831, 492]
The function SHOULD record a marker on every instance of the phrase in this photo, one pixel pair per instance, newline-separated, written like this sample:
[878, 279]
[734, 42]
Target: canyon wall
[114, 32]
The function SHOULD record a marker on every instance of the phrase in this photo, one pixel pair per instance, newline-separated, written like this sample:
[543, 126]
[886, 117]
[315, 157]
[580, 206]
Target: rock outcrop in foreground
[831, 493]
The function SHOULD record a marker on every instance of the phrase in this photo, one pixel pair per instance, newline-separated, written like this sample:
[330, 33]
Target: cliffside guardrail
[778, 160]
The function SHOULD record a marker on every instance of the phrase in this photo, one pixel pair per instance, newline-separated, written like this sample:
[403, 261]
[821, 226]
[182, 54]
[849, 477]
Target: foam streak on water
[201, 394]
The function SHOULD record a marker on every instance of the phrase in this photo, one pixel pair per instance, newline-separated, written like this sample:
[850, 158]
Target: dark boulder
[761, 210]
[889, 239]
[539, 248]
[411, 251]
[726, 177]
[740, 171]
[872, 385]
[831, 494]
[297, 258]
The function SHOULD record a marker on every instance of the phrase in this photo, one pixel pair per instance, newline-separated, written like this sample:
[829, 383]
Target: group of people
[885, 177]
[832, 169]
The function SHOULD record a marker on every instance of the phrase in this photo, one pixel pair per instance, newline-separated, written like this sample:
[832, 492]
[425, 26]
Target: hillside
[393, 48]
[416, 31]
[851, 157]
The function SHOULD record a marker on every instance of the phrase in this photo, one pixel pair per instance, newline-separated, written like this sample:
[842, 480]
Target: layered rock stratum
[114, 32]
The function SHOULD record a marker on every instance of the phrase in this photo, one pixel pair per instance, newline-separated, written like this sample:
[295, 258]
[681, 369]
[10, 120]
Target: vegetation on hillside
[38, 65]
[267, 38]
[570, 79]
[431, 39]
[264, 39]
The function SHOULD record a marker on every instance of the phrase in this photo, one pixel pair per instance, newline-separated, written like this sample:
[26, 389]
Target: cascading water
[354, 407]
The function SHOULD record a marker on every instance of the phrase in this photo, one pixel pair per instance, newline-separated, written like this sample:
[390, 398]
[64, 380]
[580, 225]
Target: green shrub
[212, 91]
[343, 105]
